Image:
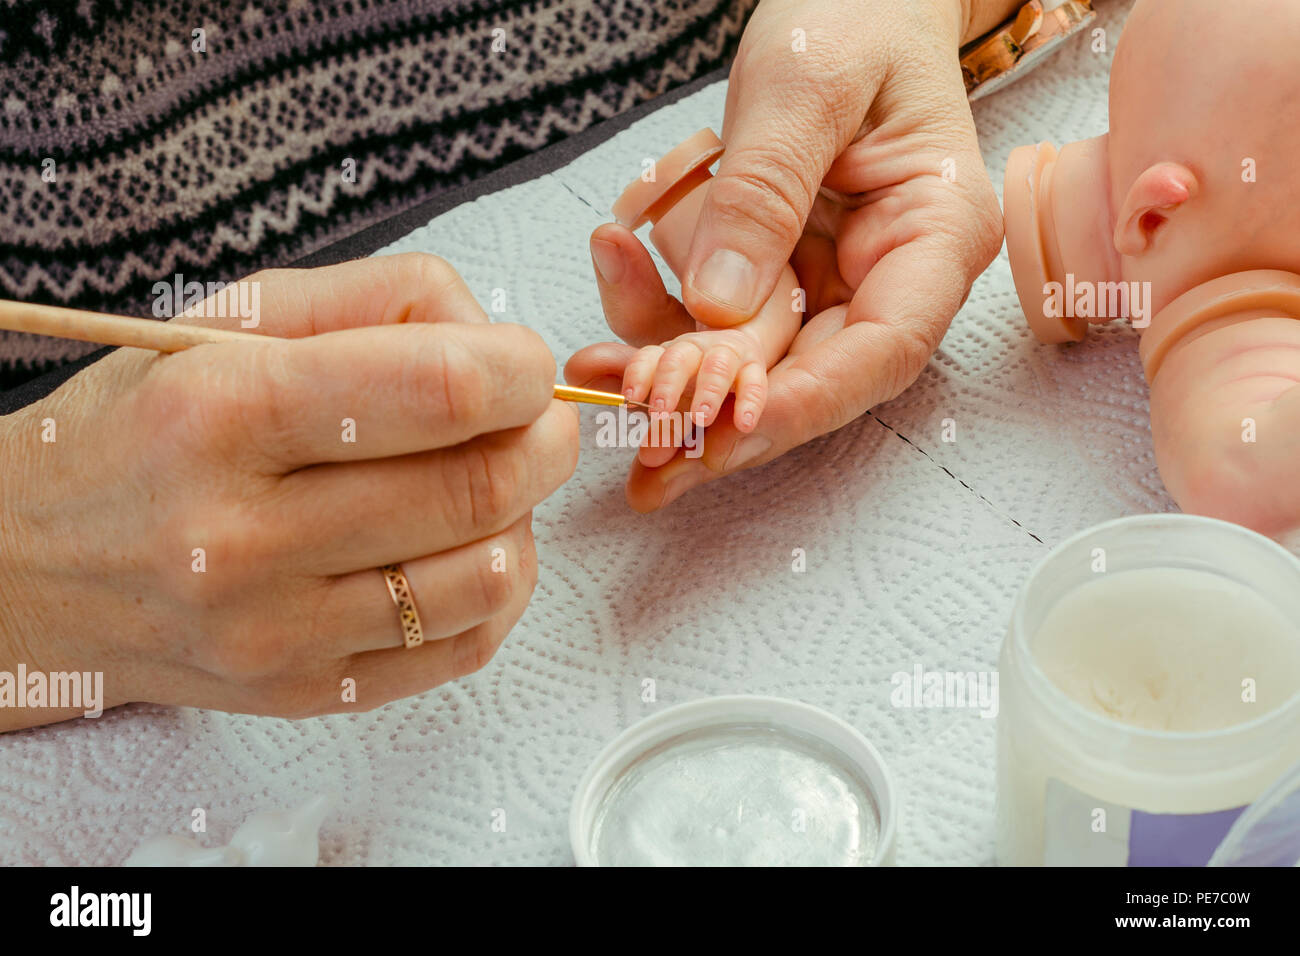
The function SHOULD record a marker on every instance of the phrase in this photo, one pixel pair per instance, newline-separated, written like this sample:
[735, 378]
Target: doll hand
[720, 361]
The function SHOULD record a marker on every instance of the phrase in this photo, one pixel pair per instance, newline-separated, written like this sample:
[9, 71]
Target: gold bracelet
[1013, 49]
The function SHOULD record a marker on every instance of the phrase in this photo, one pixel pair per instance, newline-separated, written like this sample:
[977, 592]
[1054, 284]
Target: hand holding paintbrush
[159, 336]
[209, 530]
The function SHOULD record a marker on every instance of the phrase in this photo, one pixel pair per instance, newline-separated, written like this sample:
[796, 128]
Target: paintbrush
[170, 337]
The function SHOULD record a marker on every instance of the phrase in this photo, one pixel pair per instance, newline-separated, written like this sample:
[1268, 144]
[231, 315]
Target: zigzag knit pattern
[144, 138]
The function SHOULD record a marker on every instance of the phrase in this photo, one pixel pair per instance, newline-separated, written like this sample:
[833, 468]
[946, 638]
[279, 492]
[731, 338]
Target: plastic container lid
[1268, 831]
[732, 781]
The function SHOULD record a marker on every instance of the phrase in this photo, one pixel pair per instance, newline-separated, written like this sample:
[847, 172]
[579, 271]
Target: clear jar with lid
[1158, 618]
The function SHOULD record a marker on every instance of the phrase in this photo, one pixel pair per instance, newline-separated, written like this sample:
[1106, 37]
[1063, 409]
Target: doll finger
[751, 396]
[662, 439]
[677, 366]
[640, 373]
[718, 370]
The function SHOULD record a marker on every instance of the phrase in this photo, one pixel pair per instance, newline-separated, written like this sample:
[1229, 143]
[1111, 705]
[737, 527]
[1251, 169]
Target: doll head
[1197, 178]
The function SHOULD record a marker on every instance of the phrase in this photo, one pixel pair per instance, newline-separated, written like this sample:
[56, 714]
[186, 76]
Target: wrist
[974, 18]
[945, 20]
[15, 618]
[962, 14]
[28, 633]
[15, 542]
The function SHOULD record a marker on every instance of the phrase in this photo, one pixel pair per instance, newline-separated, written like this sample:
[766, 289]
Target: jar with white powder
[1150, 692]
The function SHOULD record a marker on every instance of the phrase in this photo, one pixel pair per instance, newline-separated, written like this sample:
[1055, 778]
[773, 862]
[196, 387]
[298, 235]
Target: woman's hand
[851, 153]
[205, 528]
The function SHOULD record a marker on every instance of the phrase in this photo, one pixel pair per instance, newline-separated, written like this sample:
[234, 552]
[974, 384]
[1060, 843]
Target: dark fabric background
[129, 158]
[367, 241]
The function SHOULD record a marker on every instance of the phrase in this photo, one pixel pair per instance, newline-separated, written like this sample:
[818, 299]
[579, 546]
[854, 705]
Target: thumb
[781, 138]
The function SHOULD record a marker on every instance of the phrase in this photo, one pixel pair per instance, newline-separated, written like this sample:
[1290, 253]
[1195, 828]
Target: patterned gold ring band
[400, 589]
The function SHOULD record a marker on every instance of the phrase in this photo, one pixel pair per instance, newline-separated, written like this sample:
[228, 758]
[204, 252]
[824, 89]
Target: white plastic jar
[1080, 780]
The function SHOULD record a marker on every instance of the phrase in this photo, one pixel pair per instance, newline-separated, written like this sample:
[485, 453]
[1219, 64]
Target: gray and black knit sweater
[144, 138]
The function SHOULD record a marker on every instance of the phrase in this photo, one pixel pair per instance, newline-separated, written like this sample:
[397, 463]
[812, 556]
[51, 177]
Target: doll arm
[1225, 418]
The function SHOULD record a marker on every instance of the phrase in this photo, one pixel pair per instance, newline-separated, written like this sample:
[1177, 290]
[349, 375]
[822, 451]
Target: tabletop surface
[915, 547]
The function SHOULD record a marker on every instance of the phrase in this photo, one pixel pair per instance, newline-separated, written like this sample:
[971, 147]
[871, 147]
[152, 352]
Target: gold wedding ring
[400, 589]
[1020, 44]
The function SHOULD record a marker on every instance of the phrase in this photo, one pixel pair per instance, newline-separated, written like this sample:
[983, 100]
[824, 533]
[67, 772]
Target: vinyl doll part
[1185, 218]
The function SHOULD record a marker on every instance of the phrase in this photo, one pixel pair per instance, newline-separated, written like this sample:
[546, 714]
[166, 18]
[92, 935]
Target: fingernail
[747, 450]
[748, 419]
[607, 259]
[728, 278]
[702, 413]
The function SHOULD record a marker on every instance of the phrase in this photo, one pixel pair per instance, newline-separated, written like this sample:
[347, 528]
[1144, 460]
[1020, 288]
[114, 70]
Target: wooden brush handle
[112, 329]
[174, 337]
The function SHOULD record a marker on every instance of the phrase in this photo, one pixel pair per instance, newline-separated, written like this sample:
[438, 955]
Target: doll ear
[1158, 191]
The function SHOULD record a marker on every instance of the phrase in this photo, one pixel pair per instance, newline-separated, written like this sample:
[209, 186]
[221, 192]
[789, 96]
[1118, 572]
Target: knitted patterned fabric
[141, 139]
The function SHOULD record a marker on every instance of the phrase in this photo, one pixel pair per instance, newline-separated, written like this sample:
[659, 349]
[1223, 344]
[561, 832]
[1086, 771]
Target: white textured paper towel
[915, 550]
